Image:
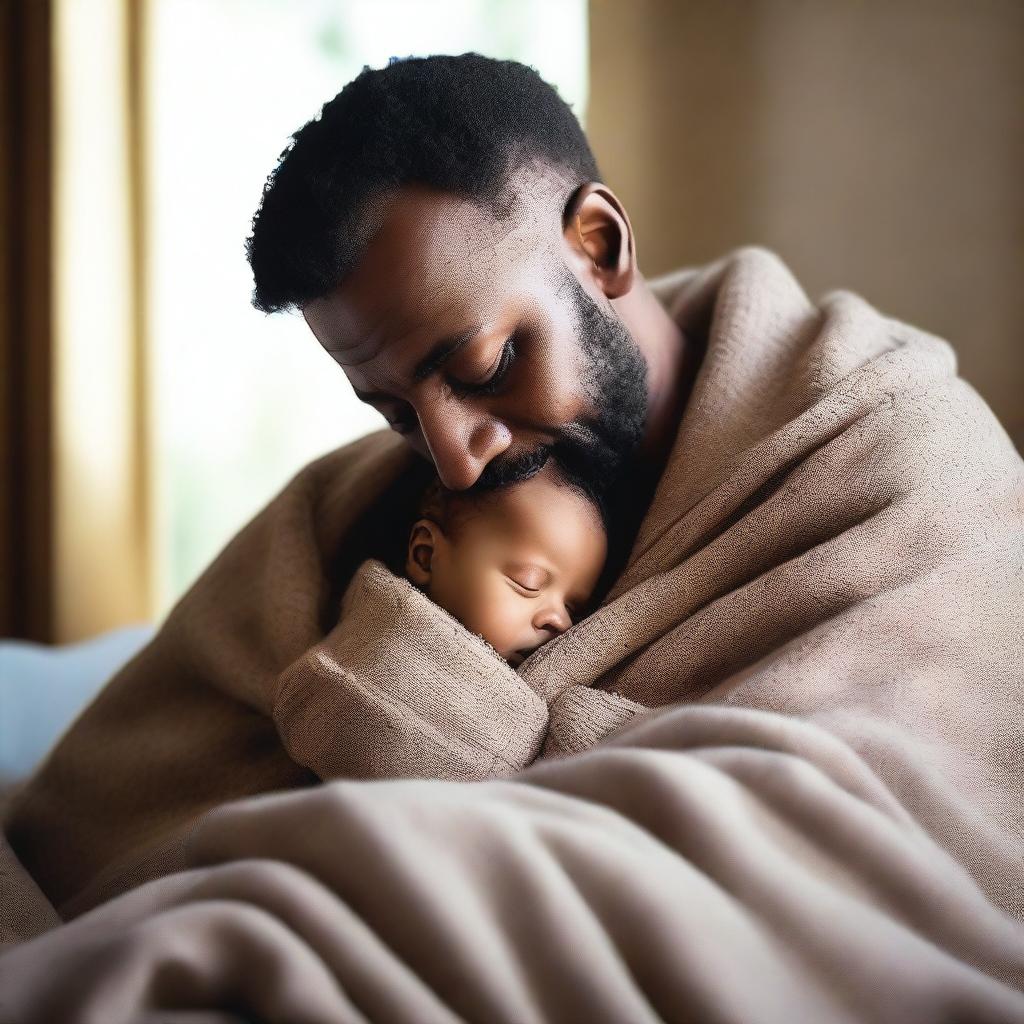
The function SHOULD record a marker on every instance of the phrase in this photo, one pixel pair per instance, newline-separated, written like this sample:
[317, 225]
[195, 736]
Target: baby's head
[517, 564]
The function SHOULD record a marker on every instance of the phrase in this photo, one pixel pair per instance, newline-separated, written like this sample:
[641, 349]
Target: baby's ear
[420, 557]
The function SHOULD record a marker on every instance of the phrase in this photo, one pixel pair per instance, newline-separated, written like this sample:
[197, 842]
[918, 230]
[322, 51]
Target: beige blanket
[820, 818]
[401, 689]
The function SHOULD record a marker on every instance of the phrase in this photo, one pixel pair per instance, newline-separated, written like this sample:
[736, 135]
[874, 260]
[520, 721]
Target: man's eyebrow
[441, 351]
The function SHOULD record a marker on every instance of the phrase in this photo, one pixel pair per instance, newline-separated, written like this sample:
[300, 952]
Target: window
[240, 401]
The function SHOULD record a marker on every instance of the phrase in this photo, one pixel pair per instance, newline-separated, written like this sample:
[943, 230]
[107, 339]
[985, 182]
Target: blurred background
[147, 411]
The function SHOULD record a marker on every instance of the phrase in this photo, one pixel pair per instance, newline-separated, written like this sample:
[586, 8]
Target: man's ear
[422, 549]
[600, 238]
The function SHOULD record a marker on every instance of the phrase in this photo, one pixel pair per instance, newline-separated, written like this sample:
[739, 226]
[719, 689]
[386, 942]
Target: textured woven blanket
[775, 776]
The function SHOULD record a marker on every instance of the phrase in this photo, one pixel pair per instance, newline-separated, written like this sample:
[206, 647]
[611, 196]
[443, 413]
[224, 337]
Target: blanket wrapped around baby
[354, 709]
[775, 776]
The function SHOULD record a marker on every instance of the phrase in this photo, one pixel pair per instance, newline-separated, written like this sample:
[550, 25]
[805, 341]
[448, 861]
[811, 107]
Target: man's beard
[591, 451]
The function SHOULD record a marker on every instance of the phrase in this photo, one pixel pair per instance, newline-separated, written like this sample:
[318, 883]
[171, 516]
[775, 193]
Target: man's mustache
[503, 471]
[581, 448]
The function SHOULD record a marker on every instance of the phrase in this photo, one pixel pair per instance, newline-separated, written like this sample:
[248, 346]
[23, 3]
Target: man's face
[477, 342]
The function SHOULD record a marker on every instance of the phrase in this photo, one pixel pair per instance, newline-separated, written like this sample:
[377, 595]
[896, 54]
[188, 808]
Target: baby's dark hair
[461, 124]
[450, 509]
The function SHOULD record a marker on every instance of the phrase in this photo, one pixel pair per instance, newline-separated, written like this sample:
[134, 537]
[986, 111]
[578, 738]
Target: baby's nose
[553, 616]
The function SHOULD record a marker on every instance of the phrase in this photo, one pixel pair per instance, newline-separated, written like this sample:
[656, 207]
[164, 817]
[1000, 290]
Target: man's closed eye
[405, 424]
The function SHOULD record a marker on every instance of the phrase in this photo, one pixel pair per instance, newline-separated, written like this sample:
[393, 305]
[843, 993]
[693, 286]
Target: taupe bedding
[776, 776]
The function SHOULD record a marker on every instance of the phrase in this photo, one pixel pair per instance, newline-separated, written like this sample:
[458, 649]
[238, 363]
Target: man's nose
[461, 442]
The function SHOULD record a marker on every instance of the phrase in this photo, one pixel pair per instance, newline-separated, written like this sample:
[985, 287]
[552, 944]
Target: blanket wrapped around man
[775, 776]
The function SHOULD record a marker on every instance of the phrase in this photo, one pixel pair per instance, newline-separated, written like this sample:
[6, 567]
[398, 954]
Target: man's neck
[671, 360]
[672, 363]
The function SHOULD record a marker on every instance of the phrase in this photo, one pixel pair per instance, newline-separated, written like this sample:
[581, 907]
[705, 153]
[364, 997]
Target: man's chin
[588, 463]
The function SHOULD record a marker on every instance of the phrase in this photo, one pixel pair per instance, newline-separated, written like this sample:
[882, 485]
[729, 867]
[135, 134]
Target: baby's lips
[516, 658]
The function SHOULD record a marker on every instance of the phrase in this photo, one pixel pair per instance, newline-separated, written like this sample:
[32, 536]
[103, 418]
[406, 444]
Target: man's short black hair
[461, 124]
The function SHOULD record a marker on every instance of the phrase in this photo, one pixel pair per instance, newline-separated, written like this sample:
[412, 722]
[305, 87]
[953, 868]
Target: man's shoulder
[672, 287]
[382, 444]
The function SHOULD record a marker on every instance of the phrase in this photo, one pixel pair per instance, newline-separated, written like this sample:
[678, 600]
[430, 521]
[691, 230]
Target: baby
[517, 565]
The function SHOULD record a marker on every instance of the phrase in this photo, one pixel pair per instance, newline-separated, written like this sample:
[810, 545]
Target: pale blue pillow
[43, 688]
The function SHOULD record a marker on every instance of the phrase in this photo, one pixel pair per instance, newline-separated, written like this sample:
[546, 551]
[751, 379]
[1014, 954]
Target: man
[486, 300]
[775, 776]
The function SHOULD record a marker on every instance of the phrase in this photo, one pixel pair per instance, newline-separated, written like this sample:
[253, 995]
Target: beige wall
[876, 146]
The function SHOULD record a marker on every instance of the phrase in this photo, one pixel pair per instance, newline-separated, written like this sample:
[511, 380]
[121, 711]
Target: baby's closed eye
[523, 589]
[571, 607]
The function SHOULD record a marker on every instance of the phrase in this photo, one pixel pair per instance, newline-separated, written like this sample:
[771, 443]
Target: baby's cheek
[500, 617]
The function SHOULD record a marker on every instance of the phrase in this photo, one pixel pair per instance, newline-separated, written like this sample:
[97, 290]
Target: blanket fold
[706, 863]
[775, 776]
[350, 707]
[401, 688]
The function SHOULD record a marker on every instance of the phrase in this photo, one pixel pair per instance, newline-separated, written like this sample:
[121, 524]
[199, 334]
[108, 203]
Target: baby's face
[521, 569]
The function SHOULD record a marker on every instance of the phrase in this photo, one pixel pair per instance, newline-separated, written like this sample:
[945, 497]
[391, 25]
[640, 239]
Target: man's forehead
[366, 340]
[434, 261]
